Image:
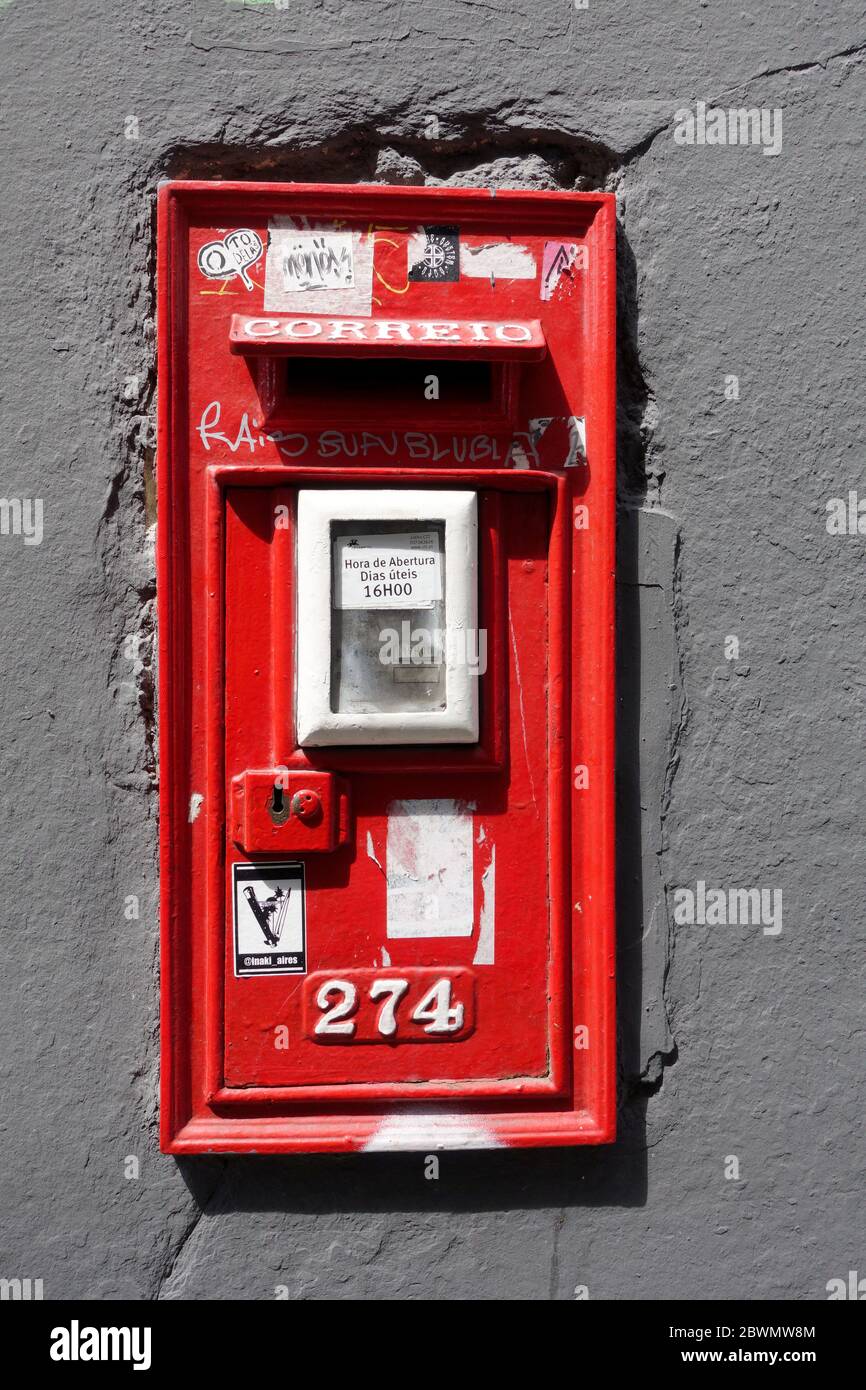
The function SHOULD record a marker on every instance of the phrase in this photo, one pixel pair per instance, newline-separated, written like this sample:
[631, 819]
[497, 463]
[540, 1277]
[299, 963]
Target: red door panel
[427, 854]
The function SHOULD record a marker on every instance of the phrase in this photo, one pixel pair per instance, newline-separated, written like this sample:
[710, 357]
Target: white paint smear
[522, 712]
[195, 805]
[576, 442]
[503, 259]
[517, 457]
[371, 852]
[428, 869]
[485, 951]
[432, 1130]
[317, 270]
[416, 248]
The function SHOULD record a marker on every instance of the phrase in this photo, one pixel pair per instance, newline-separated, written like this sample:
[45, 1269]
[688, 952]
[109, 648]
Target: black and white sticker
[270, 935]
[434, 254]
[220, 260]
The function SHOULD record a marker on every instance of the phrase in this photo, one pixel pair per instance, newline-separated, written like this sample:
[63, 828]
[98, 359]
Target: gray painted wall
[738, 769]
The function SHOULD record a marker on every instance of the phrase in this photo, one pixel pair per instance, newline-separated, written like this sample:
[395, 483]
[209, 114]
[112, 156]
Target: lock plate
[274, 810]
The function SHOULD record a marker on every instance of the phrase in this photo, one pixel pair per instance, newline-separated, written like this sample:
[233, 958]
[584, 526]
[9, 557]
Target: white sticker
[505, 260]
[401, 571]
[429, 869]
[317, 261]
[317, 270]
[269, 923]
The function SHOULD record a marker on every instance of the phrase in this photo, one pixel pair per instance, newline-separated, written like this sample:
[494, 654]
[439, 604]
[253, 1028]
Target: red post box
[385, 560]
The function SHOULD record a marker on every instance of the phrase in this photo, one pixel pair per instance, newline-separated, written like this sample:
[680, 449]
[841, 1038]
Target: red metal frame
[199, 1113]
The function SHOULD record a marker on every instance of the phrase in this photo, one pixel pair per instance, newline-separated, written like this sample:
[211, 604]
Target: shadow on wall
[649, 708]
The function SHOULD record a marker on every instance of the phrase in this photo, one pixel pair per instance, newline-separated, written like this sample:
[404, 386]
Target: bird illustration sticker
[269, 919]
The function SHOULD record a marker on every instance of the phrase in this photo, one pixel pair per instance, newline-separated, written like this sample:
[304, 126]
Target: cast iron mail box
[386, 553]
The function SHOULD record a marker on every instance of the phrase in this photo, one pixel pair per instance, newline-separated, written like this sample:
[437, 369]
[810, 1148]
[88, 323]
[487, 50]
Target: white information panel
[396, 571]
[387, 609]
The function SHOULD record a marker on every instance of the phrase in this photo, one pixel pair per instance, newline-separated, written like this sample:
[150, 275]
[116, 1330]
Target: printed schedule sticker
[400, 571]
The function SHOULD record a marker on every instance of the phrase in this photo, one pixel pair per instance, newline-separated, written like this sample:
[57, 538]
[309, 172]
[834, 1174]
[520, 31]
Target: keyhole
[277, 807]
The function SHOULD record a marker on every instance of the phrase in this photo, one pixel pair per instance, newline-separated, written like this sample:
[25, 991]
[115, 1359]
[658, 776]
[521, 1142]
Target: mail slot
[385, 578]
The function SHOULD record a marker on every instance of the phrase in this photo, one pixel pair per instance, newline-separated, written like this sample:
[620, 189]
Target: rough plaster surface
[741, 772]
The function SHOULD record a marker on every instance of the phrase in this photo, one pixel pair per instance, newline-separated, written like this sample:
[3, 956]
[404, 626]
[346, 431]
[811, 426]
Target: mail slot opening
[424, 386]
[321, 372]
